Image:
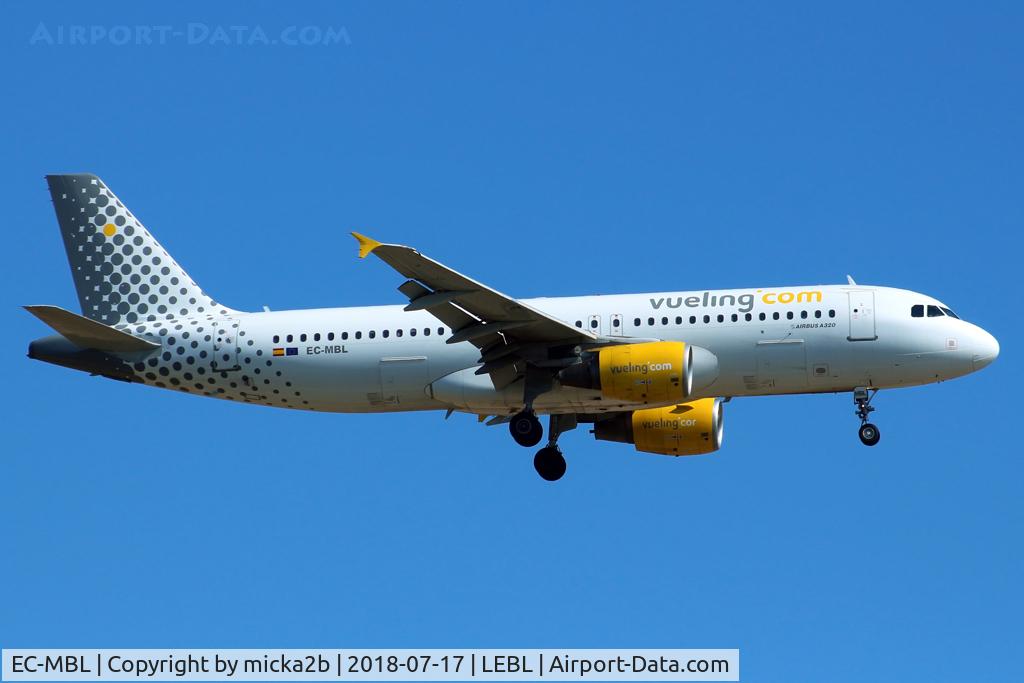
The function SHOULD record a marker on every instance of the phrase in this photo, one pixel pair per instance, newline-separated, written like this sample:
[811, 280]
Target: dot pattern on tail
[121, 272]
[127, 280]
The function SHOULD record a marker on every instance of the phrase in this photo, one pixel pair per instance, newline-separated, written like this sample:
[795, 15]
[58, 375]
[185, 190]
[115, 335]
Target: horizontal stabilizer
[87, 333]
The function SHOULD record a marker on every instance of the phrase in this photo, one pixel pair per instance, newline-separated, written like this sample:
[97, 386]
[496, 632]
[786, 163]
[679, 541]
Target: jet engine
[649, 372]
[691, 428]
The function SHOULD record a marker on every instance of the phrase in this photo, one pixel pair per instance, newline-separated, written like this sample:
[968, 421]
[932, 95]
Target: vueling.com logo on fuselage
[744, 303]
[640, 368]
[663, 423]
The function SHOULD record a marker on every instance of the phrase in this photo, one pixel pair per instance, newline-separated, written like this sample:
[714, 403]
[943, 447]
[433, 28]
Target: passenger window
[330, 336]
[440, 331]
[593, 324]
[385, 334]
[290, 337]
[707, 318]
[831, 312]
[664, 321]
[359, 335]
[775, 315]
[412, 332]
[371, 334]
[917, 311]
[748, 317]
[693, 319]
[735, 317]
[277, 339]
[650, 322]
[636, 322]
[721, 318]
[316, 337]
[579, 323]
[679, 320]
[803, 315]
[950, 313]
[934, 312]
[344, 336]
[761, 316]
[302, 337]
[615, 322]
[817, 314]
[789, 315]
[398, 333]
[426, 331]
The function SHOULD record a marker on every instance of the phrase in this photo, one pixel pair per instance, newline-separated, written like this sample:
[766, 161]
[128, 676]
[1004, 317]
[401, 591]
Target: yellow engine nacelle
[651, 372]
[691, 428]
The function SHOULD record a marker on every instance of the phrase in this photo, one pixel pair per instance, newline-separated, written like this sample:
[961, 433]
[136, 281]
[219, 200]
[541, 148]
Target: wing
[512, 336]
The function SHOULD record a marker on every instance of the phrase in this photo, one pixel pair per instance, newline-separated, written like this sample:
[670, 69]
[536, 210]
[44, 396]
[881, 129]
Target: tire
[549, 463]
[869, 434]
[526, 429]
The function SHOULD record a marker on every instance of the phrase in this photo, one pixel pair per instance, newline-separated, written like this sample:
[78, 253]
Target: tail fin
[121, 272]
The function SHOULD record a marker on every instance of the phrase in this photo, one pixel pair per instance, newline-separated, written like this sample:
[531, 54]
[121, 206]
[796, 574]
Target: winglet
[849, 278]
[366, 244]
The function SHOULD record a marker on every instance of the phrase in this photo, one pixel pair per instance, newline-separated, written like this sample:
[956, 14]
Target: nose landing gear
[868, 433]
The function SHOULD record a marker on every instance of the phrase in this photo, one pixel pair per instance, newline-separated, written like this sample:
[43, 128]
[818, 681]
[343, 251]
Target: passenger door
[862, 316]
[225, 345]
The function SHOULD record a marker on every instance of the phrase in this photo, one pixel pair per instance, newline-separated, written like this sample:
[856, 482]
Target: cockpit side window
[917, 311]
[950, 313]
[934, 311]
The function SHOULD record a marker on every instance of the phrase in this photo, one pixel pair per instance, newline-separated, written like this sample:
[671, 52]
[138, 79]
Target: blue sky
[546, 149]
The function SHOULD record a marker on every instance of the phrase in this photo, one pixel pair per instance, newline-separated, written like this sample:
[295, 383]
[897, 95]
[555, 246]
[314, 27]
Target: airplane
[653, 370]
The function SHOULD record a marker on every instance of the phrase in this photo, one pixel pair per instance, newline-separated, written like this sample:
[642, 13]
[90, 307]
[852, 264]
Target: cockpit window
[950, 313]
[934, 312]
[917, 311]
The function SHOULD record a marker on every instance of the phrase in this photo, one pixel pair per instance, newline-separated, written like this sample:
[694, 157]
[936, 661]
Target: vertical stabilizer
[121, 272]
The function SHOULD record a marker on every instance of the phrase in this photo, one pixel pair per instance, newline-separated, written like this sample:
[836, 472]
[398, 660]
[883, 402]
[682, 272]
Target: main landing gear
[868, 433]
[527, 431]
[549, 461]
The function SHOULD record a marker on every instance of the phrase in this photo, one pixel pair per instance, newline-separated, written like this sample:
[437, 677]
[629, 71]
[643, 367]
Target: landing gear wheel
[526, 429]
[549, 463]
[869, 434]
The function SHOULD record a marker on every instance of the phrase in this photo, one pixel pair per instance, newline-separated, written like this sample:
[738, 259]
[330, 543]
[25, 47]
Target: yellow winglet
[366, 244]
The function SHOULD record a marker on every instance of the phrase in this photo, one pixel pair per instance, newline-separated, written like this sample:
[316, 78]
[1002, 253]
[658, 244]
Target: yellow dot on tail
[109, 229]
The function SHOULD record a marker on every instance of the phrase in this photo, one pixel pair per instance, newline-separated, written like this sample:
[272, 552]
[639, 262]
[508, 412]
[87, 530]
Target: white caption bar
[370, 665]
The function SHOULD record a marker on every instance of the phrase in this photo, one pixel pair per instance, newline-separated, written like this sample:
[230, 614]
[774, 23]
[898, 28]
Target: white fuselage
[383, 359]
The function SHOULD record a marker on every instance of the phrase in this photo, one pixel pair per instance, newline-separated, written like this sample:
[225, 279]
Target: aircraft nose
[986, 349]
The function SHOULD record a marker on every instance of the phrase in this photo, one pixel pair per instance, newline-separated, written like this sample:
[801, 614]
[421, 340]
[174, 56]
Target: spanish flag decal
[278, 352]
